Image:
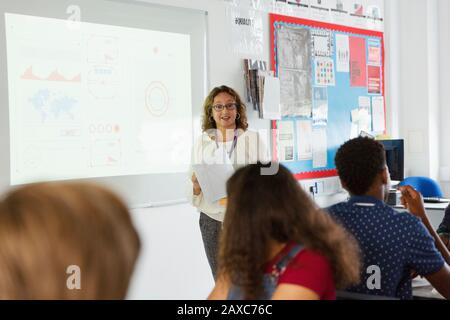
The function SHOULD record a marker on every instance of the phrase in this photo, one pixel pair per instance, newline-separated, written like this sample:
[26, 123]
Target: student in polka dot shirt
[394, 245]
[444, 228]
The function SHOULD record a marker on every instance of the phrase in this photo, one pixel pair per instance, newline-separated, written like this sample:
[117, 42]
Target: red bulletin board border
[274, 18]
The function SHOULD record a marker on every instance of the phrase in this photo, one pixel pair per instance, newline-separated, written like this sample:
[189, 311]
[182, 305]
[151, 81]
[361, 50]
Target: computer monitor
[394, 158]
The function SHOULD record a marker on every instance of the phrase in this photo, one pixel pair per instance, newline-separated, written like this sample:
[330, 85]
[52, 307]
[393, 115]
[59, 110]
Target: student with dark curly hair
[276, 244]
[394, 245]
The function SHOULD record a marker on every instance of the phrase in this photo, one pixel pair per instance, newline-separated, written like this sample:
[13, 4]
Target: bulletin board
[332, 89]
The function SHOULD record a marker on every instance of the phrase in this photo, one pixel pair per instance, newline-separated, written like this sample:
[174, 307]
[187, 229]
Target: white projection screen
[105, 91]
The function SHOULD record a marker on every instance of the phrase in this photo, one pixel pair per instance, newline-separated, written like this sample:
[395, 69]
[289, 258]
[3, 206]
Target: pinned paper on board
[378, 114]
[342, 53]
[358, 62]
[294, 71]
[339, 85]
[304, 139]
[322, 44]
[374, 79]
[362, 119]
[319, 136]
[324, 70]
[353, 131]
[320, 106]
[285, 137]
[364, 102]
[374, 52]
[271, 99]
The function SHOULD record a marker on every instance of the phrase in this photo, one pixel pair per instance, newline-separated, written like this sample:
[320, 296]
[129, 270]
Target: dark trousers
[210, 230]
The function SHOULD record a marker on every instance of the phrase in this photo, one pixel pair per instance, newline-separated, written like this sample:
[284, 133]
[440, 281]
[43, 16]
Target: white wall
[392, 67]
[413, 85]
[172, 263]
[419, 79]
[444, 92]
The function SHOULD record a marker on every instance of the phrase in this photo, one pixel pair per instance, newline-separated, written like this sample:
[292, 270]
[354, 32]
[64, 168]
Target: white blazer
[249, 150]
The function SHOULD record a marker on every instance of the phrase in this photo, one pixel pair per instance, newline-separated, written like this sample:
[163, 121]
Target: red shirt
[308, 269]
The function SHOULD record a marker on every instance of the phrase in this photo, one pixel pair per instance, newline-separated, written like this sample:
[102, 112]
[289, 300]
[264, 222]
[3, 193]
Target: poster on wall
[378, 114]
[294, 71]
[374, 52]
[320, 146]
[375, 14]
[320, 9]
[322, 43]
[324, 72]
[339, 11]
[247, 35]
[342, 53]
[285, 138]
[357, 17]
[374, 79]
[347, 91]
[363, 14]
[304, 139]
[300, 8]
[320, 106]
[358, 62]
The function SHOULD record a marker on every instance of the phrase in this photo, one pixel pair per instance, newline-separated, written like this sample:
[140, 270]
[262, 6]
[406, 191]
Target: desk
[422, 289]
[435, 212]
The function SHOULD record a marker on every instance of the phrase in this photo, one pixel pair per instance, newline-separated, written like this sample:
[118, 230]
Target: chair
[426, 186]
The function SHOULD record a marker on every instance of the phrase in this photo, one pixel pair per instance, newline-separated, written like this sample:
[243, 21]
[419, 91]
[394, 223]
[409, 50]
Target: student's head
[223, 108]
[263, 210]
[49, 229]
[361, 165]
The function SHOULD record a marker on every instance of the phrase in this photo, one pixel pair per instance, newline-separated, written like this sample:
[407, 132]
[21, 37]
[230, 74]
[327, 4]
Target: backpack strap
[281, 265]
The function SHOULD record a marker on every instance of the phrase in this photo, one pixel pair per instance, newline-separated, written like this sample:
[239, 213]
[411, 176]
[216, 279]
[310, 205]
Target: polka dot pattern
[396, 242]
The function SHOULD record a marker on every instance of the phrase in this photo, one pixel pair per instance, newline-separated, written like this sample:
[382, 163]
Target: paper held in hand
[212, 179]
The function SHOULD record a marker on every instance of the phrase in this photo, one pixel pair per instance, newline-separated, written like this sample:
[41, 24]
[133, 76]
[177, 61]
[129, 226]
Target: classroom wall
[415, 118]
[225, 67]
[173, 264]
[444, 92]
[418, 90]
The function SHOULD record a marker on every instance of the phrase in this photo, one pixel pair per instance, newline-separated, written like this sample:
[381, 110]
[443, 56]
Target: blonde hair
[207, 120]
[47, 227]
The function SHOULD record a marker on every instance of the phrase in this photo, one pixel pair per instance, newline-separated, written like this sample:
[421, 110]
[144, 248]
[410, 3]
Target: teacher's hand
[196, 185]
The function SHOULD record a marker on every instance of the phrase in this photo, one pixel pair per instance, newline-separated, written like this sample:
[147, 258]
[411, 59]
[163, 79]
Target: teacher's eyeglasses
[229, 106]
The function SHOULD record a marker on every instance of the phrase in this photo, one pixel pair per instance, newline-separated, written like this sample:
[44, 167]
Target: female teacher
[224, 126]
